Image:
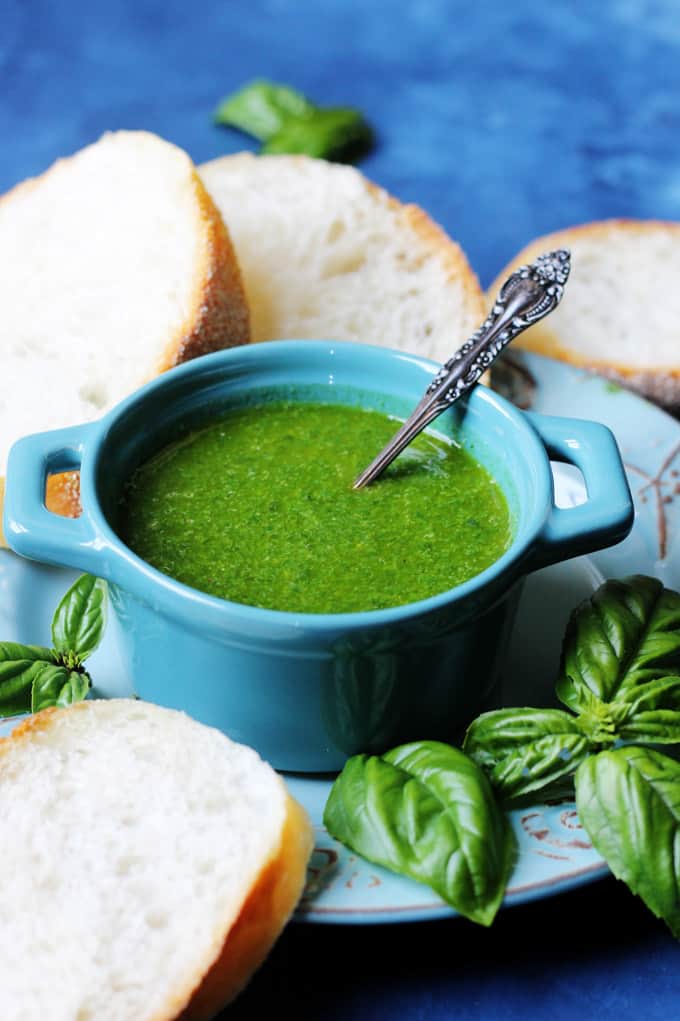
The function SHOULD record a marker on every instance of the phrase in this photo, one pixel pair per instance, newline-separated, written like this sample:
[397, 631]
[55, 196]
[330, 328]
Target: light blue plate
[554, 853]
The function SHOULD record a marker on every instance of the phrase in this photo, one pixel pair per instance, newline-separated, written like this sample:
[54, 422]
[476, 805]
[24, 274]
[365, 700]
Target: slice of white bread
[620, 313]
[325, 253]
[149, 863]
[115, 266]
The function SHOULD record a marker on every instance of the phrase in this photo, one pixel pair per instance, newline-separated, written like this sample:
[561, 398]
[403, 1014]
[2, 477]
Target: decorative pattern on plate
[342, 887]
[660, 489]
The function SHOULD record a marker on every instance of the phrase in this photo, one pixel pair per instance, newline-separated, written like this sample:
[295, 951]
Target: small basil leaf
[523, 750]
[661, 693]
[652, 712]
[16, 683]
[79, 620]
[262, 108]
[10, 651]
[18, 665]
[627, 633]
[628, 801]
[76, 690]
[427, 811]
[339, 134]
[659, 727]
[56, 685]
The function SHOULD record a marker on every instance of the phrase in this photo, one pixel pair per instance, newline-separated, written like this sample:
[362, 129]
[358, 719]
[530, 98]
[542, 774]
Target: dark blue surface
[504, 121]
[593, 954]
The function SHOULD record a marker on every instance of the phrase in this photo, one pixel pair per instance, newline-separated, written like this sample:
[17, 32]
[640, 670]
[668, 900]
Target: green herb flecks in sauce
[258, 508]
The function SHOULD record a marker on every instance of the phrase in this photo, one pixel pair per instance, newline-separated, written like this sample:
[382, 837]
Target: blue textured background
[504, 121]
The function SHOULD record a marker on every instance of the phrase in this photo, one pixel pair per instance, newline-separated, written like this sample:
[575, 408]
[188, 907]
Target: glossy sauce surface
[258, 508]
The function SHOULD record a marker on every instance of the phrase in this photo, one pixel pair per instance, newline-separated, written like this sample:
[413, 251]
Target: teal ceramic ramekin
[308, 690]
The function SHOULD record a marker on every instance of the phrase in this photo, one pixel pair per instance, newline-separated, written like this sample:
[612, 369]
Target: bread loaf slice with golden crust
[621, 307]
[327, 254]
[149, 864]
[116, 265]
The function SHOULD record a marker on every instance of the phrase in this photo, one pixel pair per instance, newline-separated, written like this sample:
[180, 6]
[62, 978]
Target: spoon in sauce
[529, 294]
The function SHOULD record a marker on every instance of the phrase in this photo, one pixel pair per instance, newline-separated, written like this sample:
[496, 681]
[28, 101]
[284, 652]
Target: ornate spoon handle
[528, 295]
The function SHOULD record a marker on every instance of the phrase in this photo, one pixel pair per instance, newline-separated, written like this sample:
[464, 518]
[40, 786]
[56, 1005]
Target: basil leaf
[18, 667]
[427, 811]
[79, 620]
[652, 712]
[339, 134]
[628, 801]
[12, 651]
[627, 633]
[56, 685]
[523, 750]
[285, 121]
[262, 108]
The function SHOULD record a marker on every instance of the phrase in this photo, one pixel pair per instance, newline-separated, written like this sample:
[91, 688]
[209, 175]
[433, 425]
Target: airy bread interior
[324, 253]
[134, 840]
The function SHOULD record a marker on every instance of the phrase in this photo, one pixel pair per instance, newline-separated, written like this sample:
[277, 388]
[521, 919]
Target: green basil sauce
[258, 508]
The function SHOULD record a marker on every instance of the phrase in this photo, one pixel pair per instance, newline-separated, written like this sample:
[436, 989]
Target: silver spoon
[529, 294]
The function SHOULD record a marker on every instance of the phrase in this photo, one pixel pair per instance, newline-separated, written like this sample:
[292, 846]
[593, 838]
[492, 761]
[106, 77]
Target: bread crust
[435, 239]
[219, 317]
[451, 255]
[269, 905]
[242, 944]
[660, 384]
[30, 726]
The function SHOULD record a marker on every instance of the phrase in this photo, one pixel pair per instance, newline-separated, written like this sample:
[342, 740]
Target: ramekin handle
[30, 528]
[607, 515]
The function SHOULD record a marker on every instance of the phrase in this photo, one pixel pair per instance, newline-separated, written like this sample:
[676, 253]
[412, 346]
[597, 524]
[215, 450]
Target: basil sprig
[79, 620]
[33, 677]
[427, 811]
[286, 121]
[423, 811]
[620, 677]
